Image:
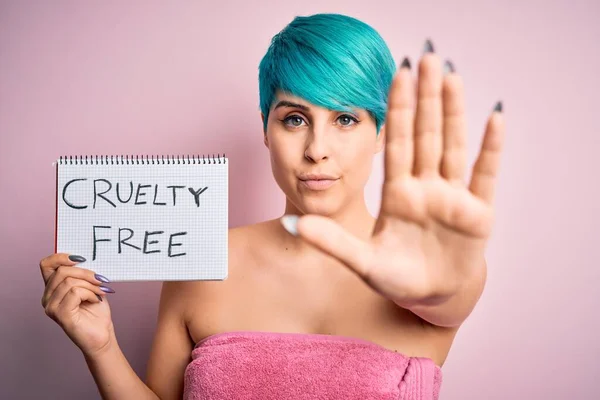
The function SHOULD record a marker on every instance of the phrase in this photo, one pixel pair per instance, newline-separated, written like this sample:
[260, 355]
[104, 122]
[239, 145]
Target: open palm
[433, 227]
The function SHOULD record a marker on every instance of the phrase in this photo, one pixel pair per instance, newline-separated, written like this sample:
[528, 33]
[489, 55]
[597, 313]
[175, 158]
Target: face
[320, 158]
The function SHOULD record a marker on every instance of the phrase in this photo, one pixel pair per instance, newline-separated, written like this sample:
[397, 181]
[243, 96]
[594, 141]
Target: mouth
[318, 184]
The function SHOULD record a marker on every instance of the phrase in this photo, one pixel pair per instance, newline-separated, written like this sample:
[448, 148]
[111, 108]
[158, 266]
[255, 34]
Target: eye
[296, 121]
[345, 120]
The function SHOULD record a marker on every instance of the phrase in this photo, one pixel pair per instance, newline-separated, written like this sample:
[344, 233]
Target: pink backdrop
[151, 78]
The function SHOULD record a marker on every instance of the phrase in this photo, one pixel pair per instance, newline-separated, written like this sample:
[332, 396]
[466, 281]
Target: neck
[353, 217]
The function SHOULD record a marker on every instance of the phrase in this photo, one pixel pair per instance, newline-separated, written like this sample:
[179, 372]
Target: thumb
[328, 236]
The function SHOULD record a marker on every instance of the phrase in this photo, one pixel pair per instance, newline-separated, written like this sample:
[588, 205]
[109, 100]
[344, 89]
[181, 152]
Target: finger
[48, 265]
[485, 170]
[428, 120]
[67, 284]
[329, 237]
[399, 125]
[73, 297]
[454, 157]
[65, 271]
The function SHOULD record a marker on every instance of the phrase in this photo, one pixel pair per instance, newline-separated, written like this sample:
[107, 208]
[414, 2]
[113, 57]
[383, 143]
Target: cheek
[358, 159]
[282, 153]
[283, 160]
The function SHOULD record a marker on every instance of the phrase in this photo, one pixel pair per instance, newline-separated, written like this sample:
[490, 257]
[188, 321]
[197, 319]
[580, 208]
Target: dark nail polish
[101, 278]
[405, 63]
[76, 258]
[498, 106]
[428, 48]
[448, 67]
[99, 297]
[106, 289]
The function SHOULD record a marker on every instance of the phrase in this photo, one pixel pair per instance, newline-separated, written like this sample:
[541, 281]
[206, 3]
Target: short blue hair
[330, 60]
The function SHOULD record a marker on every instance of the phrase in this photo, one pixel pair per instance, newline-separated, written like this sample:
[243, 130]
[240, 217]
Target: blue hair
[330, 60]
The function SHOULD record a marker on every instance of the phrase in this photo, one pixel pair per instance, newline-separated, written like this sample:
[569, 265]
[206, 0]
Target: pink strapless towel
[298, 366]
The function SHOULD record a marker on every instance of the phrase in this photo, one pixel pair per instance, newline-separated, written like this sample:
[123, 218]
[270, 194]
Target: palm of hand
[432, 228]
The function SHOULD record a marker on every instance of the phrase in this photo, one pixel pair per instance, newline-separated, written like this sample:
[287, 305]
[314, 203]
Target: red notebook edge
[56, 211]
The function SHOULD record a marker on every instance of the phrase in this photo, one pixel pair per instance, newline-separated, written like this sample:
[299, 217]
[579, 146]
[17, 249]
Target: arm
[172, 345]
[169, 356]
[114, 376]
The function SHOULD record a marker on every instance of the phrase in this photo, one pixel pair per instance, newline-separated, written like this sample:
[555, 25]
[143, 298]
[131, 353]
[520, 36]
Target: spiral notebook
[144, 218]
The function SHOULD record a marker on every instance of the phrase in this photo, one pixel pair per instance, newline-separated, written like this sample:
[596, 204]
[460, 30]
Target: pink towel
[286, 366]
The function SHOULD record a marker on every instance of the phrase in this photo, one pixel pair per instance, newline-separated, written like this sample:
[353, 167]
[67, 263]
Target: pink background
[178, 78]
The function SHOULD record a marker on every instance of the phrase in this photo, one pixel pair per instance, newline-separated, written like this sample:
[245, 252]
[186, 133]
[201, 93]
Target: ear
[380, 141]
[265, 138]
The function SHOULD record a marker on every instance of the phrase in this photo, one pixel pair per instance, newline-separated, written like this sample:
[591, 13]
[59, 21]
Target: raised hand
[430, 236]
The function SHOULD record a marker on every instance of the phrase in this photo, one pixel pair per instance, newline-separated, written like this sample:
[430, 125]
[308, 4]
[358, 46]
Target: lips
[321, 184]
[316, 177]
[317, 181]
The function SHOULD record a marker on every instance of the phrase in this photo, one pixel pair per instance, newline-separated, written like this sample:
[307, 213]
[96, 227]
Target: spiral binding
[144, 159]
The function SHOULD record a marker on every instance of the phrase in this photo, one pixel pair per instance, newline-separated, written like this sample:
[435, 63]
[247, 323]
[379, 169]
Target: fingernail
[448, 67]
[101, 278]
[428, 48]
[106, 289]
[76, 258]
[405, 63]
[99, 297]
[498, 106]
[290, 223]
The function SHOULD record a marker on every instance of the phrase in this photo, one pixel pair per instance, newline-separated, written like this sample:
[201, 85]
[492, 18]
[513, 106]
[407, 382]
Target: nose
[317, 149]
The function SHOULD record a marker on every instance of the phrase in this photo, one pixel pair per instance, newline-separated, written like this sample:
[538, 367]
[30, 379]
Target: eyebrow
[285, 103]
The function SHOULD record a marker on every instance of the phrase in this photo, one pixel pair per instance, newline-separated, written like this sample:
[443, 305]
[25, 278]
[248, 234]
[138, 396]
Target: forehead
[281, 95]
[287, 97]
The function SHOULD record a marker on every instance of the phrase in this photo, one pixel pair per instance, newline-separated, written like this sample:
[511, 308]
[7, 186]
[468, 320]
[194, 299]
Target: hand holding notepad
[148, 218]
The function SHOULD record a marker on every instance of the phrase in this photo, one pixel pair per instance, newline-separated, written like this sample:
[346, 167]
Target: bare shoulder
[246, 244]
[199, 298]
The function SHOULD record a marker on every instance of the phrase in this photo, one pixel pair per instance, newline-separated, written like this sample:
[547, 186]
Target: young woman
[327, 302]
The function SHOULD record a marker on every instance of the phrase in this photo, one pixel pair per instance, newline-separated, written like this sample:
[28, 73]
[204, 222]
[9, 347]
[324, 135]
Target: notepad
[144, 218]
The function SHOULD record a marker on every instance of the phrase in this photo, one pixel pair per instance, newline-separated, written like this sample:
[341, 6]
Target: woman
[342, 305]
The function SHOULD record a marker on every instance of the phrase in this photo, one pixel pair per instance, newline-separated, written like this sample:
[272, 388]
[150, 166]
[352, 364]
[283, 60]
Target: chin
[321, 205]
[325, 202]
